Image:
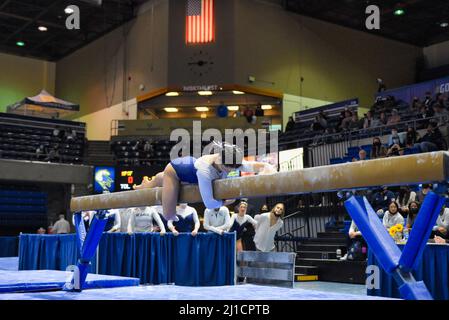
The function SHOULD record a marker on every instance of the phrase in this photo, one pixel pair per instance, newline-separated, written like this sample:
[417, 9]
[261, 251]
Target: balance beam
[405, 170]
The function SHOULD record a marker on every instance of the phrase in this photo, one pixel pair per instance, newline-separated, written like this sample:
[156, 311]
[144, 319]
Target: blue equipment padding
[421, 230]
[374, 232]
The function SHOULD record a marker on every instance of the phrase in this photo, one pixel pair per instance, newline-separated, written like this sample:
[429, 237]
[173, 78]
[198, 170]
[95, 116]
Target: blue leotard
[185, 169]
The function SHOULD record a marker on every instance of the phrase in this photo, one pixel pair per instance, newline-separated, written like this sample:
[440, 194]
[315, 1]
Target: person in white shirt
[267, 226]
[392, 217]
[62, 226]
[441, 228]
[239, 222]
[125, 215]
[187, 220]
[86, 217]
[142, 220]
[217, 220]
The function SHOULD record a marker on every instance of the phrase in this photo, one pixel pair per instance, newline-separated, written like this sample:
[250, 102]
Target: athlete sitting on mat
[202, 171]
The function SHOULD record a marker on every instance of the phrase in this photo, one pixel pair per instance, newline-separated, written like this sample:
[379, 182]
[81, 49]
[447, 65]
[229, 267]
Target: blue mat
[171, 292]
[10, 264]
[43, 280]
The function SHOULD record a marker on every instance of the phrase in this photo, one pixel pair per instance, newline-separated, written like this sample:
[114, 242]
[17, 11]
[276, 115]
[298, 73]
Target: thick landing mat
[42, 280]
[10, 264]
[171, 292]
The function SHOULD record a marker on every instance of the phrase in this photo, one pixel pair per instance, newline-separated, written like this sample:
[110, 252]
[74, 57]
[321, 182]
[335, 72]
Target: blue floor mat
[11, 264]
[171, 292]
[42, 280]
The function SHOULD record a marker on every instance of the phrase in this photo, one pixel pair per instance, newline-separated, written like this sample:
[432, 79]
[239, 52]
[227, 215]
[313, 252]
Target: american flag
[200, 21]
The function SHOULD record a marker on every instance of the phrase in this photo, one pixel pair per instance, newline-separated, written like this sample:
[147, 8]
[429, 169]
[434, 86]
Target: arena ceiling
[423, 23]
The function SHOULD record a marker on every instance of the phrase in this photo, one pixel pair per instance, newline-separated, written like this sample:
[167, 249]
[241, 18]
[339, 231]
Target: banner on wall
[104, 179]
[331, 110]
[407, 93]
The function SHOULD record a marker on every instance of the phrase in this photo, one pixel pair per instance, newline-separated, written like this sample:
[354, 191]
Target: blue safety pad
[415, 291]
[428, 214]
[42, 280]
[374, 232]
[11, 263]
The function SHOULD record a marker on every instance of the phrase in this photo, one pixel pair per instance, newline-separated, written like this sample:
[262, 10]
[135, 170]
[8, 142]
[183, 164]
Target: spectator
[317, 125]
[217, 220]
[62, 226]
[41, 231]
[370, 121]
[428, 101]
[394, 119]
[267, 226]
[239, 223]
[354, 240]
[441, 227]
[412, 137]
[290, 124]
[441, 113]
[382, 199]
[392, 217]
[345, 122]
[377, 150]
[405, 197]
[383, 119]
[142, 220]
[113, 223]
[362, 155]
[187, 220]
[354, 124]
[421, 194]
[147, 147]
[415, 106]
[86, 218]
[413, 209]
[432, 140]
[425, 113]
[395, 143]
[442, 100]
[259, 111]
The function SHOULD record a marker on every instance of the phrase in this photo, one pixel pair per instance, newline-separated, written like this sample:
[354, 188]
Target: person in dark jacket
[432, 140]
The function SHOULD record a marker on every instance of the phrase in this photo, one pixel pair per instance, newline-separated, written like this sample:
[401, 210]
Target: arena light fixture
[172, 94]
[203, 116]
[399, 12]
[238, 92]
[202, 109]
[205, 93]
[20, 44]
[171, 109]
[267, 107]
[444, 24]
[42, 28]
[233, 108]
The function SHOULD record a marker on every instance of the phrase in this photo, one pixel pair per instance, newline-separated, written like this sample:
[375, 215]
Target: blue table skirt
[9, 246]
[205, 260]
[433, 270]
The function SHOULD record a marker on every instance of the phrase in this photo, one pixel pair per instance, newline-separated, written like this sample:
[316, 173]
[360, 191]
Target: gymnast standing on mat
[239, 222]
[202, 171]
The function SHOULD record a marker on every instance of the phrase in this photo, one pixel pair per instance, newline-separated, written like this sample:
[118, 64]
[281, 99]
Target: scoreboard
[127, 177]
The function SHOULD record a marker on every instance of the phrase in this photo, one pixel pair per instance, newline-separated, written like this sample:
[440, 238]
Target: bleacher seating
[22, 136]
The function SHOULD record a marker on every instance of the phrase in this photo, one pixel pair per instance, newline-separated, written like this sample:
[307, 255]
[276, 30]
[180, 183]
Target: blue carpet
[22, 281]
[11, 264]
[171, 292]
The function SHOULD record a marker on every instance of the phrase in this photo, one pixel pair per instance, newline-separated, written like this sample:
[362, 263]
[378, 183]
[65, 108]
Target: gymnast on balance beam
[202, 171]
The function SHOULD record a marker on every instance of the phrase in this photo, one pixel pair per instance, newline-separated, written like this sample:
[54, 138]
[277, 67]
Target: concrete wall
[23, 77]
[112, 69]
[437, 55]
[336, 63]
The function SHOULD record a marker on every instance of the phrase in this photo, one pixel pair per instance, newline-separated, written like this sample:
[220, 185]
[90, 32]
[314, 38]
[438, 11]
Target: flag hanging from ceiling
[200, 21]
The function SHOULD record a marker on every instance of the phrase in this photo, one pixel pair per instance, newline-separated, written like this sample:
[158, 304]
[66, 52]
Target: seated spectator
[421, 194]
[441, 113]
[442, 99]
[441, 227]
[370, 121]
[392, 216]
[317, 125]
[345, 122]
[412, 137]
[394, 119]
[432, 141]
[290, 124]
[383, 119]
[405, 197]
[428, 100]
[413, 209]
[217, 220]
[354, 236]
[415, 106]
[382, 199]
[362, 155]
[395, 143]
[377, 150]
[354, 124]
